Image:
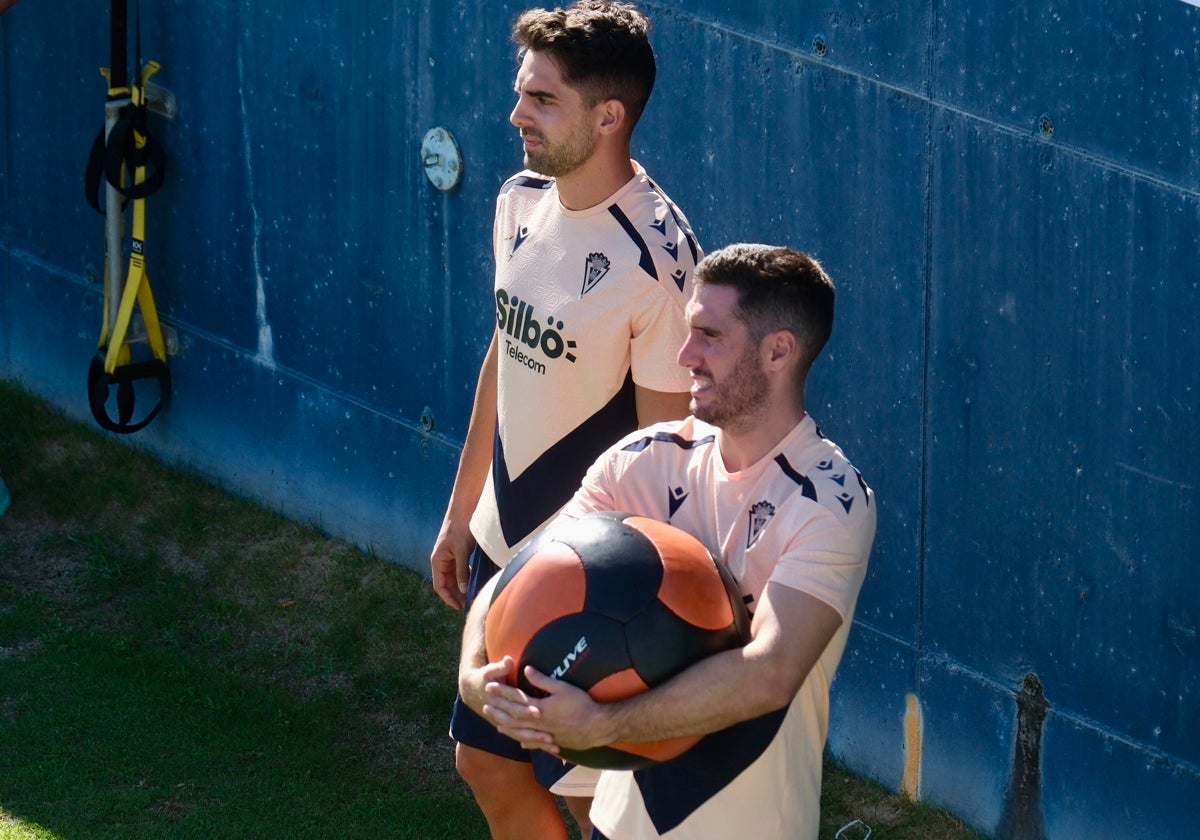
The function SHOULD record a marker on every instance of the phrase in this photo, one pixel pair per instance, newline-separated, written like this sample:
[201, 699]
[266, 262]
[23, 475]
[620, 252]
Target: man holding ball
[751, 476]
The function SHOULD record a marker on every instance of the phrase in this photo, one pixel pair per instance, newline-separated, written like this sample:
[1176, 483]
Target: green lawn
[176, 662]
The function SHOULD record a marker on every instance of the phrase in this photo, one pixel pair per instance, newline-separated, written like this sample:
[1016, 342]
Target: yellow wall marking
[910, 786]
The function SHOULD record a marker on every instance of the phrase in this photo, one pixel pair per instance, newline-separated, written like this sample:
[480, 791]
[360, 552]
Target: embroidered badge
[596, 267]
[760, 515]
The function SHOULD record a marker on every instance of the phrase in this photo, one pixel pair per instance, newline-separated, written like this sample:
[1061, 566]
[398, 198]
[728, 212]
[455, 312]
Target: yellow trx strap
[127, 146]
[137, 281]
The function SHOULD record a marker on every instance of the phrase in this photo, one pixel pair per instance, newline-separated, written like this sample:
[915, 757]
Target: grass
[176, 662]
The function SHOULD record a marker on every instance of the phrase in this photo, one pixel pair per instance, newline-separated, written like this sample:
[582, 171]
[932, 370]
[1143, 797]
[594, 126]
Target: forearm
[449, 560]
[715, 693]
[711, 695]
[789, 632]
[473, 670]
[473, 654]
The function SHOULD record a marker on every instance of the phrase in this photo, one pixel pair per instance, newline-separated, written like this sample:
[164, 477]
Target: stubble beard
[740, 400]
[562, 158]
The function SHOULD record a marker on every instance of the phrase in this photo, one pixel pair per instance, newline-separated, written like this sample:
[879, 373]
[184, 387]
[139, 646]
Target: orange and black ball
[615, 604]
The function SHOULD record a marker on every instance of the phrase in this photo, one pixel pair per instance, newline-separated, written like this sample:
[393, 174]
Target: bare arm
[454, 543]
[789, 633]
[656, 406]
[474, 671]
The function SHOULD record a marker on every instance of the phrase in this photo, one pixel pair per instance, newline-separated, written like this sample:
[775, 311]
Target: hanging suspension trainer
[131, 163]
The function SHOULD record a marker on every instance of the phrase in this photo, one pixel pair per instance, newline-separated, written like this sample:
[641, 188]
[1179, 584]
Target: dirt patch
[38, 556]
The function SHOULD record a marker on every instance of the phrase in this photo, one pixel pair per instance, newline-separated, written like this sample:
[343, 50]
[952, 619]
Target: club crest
[760, 515]
[594, 270]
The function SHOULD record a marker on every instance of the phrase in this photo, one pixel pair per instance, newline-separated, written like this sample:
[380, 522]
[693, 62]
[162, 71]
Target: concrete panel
[1063, 472]
[1116, 80]
[1099, 784]
[969, 723]
[879, 39]
[1086, 781]
[868, 705]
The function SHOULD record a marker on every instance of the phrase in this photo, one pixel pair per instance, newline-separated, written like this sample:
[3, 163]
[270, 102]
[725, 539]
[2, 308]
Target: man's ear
[780, 348]
[611, 114]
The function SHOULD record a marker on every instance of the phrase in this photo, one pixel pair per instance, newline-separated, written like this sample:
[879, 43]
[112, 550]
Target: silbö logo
[516, 319]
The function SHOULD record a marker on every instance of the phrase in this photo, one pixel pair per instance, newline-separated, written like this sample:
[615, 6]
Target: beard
[561, 158]
[739, 399]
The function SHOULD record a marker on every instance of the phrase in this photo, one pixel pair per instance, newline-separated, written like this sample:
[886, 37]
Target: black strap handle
[123, 377]
[121, 152]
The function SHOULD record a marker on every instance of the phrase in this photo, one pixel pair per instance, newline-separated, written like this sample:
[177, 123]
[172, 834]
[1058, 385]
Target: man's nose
[686, 355]
[517, 116]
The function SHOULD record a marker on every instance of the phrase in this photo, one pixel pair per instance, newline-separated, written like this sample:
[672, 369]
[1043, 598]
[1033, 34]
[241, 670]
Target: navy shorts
[470, 729]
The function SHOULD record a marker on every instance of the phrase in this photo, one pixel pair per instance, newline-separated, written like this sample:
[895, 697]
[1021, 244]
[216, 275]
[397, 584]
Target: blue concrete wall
[1009, 199]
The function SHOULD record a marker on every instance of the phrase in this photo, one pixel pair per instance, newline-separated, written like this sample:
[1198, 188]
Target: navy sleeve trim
[807, 488]
[646, 261]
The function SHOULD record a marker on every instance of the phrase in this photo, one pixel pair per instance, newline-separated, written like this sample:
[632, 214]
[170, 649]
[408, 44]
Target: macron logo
[676, 498]
[522, 235]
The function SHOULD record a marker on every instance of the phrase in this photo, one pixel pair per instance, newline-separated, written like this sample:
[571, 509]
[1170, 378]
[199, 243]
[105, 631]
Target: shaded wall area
[1006, 197]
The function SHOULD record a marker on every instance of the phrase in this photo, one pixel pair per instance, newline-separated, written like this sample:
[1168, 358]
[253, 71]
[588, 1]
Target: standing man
[593, 268]
[754, 479]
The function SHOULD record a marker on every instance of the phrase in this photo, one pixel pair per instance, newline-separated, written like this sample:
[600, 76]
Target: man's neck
[742, 447]
[594, 181]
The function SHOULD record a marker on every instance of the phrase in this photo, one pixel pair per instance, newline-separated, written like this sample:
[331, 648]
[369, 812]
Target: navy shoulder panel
[693, 245]
[527, 181]
[667, 437]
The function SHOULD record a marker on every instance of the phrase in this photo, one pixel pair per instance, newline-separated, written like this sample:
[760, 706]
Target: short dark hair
[778, 289]
[601, 48]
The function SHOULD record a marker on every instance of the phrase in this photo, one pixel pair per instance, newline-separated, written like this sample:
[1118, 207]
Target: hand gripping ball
[614, 604]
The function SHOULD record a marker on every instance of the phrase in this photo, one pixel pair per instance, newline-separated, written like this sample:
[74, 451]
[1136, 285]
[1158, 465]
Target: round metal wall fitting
[441, 158]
